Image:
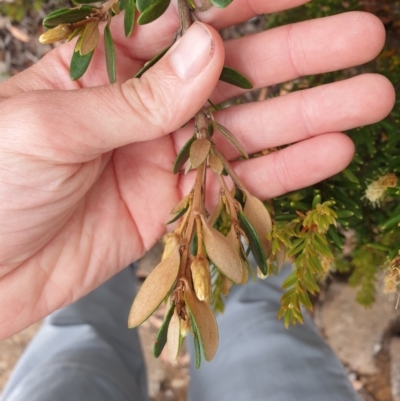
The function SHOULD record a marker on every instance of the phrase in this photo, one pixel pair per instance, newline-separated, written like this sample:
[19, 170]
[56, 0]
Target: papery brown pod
[174, 336]
[90, 38]
[260, 219]
[222, 253]
[206, 325]
[155, 288]
[226, 285]
[233, 239]
[199, 151]
[215, 163]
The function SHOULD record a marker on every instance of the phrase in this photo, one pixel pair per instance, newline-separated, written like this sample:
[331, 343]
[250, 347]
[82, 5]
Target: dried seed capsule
[60, 32]
[201, 277]
[173, 341]
[222, 253]
[155, 288]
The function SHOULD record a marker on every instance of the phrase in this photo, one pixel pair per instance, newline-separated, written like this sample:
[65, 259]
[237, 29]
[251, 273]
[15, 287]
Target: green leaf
[154, 11]
[178, 215]
[162, 333]
[150, 63]
[391, 222]
[254, 242]
[183, 155]
[129, 17]
[143, 4]
[221, 3]
[197, 346]
[67, 16]
[110, 55]
[79, 64]
[231, 138]
[233, 77]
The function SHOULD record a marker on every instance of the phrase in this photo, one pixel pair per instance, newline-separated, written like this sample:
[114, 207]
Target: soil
[375, 377]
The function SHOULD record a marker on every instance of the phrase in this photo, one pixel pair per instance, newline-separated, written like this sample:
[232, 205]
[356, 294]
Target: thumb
[99, 119]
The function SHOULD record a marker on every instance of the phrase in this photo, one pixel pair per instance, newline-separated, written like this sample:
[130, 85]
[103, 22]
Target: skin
[85, 167]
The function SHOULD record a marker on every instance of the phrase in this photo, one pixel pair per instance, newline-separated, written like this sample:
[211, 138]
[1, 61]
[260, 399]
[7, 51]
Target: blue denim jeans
[85, 352]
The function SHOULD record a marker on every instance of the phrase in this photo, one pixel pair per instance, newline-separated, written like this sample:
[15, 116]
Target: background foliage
[366, 196]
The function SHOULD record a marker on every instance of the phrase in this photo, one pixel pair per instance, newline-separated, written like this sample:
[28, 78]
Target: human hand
[86, 181]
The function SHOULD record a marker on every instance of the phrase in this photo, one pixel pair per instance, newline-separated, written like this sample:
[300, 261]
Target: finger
[147, 40]
[100, 119]
[297, 166]
[301, 165]
[335, 107]
[306, 48]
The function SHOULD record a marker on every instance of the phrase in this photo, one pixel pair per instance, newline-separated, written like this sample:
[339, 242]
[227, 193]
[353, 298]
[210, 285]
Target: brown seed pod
[260, 219]
[206, 325]
[222, 253]
[155, 288]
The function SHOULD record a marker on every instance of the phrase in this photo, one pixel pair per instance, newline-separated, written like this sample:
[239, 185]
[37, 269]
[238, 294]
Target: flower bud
[171, 242]
[201, 278]
[60, 32]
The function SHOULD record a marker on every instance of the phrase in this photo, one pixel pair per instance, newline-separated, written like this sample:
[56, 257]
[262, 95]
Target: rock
[354, 332]
[395, 367]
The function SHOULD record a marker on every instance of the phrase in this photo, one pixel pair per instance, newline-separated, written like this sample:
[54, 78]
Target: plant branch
[230, 170]
[184, 17]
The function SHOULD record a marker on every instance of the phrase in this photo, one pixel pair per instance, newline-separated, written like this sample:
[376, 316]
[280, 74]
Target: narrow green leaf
[154, 11]
[110, 55]
[254, 242]
[231, 138]
[67, 16]
[162, 333]
[391, 222]
[233, 77]
[79, 64]
[179, 214]
[150, 63]
[197, 346]
[290, 281]
[221, 3]
[183, 155]
[129, 17]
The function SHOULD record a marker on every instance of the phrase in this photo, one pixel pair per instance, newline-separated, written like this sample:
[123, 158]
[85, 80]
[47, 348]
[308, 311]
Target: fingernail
[193, 52]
